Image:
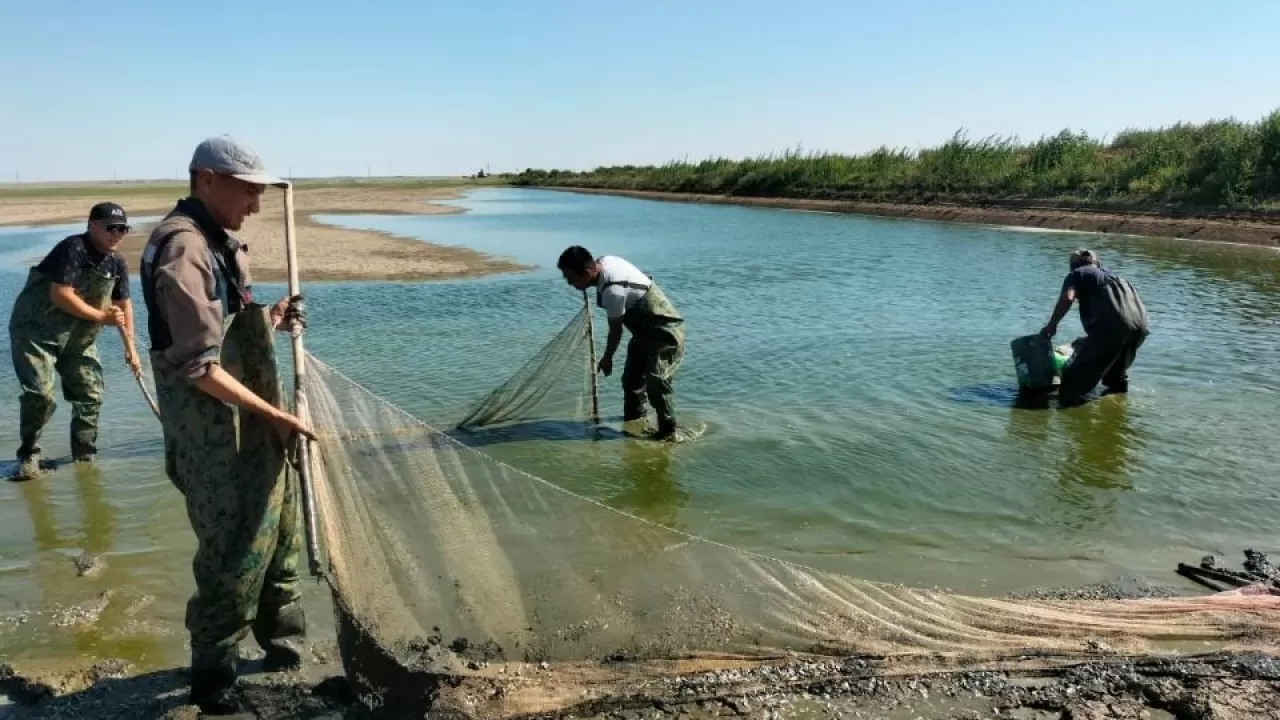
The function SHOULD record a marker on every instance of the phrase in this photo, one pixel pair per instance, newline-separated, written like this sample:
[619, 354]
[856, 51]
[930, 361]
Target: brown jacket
[188, 292]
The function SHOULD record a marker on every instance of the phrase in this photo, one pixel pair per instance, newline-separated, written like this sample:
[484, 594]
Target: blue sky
[423, 88]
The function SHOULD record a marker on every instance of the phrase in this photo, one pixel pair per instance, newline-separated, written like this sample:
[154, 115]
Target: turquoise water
[855, 374]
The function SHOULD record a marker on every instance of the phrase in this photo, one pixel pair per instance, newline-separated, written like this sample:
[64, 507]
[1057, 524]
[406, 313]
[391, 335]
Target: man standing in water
[225, 434]
[80, 286]
[631, 299]
[1115, 325]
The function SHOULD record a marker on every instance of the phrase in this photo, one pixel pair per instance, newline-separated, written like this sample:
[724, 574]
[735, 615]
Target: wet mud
[443, 677]
[1225, 686]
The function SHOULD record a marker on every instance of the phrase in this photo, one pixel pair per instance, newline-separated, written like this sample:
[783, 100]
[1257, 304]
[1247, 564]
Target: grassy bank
[1215, 167]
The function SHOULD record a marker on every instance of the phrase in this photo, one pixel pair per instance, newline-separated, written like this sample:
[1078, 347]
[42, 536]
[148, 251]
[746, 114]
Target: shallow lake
[854, 372]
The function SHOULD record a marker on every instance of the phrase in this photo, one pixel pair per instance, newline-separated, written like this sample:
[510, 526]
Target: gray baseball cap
[225, 155]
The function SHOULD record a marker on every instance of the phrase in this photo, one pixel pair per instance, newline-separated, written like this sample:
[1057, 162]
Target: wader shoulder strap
[156, 329]
[225, 281]
[624, 283]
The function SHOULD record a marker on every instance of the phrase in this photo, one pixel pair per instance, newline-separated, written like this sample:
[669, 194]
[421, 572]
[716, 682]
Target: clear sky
[435, 88]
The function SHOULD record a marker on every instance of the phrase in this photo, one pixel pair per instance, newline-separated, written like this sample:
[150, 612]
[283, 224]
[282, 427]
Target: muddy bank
[113, 688]
[1217, 687]
[325, 252]
[1247, 230]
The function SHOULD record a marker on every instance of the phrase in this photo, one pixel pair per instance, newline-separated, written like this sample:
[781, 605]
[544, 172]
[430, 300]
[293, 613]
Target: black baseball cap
[108, 212]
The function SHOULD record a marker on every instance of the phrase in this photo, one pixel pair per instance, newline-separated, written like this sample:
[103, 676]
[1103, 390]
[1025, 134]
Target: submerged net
[452, 562]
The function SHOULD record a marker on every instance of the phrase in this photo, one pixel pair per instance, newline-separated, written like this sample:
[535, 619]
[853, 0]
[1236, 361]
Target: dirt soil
[1217, 687]
[324, 252]
[1247, 230]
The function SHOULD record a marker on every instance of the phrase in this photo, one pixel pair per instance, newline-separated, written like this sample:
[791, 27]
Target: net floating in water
[446, 563]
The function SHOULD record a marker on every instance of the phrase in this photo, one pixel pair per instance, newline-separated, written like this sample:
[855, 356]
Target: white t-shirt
[618, 299]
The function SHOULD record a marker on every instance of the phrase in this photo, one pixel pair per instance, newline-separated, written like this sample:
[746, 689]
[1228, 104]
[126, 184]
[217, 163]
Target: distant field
[134, 188]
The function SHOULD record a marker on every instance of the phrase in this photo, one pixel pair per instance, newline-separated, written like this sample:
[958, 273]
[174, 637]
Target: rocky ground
[1220, 687]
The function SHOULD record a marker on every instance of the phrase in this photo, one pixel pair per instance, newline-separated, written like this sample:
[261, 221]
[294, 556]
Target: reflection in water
[1007, 395]
[649, 488]
[1100, 457]
[1029, 423]
[98, 622]
[98, 517]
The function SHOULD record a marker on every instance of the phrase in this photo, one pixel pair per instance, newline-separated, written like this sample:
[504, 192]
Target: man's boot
[667, 430]
[84, 445]
[28, 467]
[283, 637]
[213, 690]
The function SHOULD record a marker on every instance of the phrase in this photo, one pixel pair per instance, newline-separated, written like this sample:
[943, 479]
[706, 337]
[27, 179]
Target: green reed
[1221, 164]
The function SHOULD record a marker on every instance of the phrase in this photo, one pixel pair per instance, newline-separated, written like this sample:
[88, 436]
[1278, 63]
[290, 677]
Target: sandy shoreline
[325, 252]
[1246, 230]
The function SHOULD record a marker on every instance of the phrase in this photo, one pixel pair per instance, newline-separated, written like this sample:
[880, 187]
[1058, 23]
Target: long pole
[591, 371]
[299, 396]
[128, 343]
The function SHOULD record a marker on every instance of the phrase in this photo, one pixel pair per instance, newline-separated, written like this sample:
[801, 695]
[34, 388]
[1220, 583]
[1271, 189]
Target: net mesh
[553, 387]
[449, 560]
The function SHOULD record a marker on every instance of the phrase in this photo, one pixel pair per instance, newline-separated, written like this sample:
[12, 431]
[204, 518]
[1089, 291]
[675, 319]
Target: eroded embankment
[1246, 229]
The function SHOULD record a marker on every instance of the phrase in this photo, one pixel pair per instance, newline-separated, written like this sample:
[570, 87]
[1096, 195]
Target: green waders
[1110, 346]
[654, 354]
[47, 341]
[242, 501]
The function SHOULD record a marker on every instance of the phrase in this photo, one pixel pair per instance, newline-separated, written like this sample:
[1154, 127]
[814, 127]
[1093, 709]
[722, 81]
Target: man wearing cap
[1115, 324]
[81, 285]
[225, 432]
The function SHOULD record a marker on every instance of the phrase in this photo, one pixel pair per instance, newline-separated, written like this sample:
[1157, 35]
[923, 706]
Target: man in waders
[225, 435]
[1115, 325]
[80, 286]
[631, 299]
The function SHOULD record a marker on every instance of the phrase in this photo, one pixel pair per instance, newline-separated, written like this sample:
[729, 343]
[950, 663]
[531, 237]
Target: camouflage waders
[242, 501]
[654, 354]
[46, 341]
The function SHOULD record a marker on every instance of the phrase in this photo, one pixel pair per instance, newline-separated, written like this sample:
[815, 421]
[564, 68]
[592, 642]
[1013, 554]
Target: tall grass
[1221, 164]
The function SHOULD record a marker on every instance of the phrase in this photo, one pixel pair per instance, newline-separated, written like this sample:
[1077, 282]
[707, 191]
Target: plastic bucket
[1034, 362]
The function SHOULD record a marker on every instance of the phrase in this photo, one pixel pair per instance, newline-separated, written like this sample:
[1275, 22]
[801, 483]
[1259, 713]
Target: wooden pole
[591, 371]
[299, 396]
[128, 344]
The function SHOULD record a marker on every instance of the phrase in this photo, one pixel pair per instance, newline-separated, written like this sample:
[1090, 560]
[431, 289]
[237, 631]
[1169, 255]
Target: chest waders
[654, 354]
[1110, 347]
[48, 342]
[242, 502]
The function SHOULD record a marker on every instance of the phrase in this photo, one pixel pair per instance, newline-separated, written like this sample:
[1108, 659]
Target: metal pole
[299, 396]
[591, 370]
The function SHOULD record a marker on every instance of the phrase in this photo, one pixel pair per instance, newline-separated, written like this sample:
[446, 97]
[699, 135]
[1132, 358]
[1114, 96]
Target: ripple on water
[855, 373]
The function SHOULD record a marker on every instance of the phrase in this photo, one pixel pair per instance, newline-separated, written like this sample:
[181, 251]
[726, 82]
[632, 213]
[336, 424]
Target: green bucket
[1035, 362]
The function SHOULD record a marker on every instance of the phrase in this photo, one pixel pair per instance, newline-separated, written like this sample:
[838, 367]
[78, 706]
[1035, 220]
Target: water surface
[855, 373]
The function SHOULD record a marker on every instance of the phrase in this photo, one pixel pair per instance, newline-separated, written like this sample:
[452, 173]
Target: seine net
[454, 563]
[554, 386]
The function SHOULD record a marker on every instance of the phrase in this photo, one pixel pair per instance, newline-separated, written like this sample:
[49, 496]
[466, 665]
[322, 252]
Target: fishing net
[556, 385]
[458, 578]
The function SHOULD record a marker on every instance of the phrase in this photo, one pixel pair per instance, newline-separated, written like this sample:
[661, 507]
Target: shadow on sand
[318, 691]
